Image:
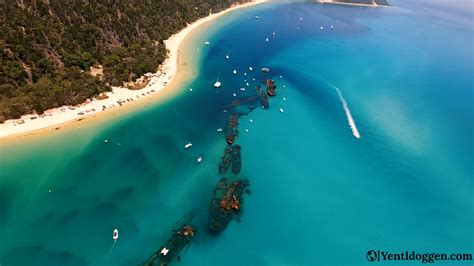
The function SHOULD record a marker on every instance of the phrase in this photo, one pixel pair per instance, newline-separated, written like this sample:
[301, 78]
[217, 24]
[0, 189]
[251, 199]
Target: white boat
[235, 71]
[246, 130]
[217, 84]
[219, 130]
[245, 74]
[265, 69]
[250, 68]
[247, 84]
[164, 251]
[281, 110]
[207, 43]
[266, 39]
[188, 145]
[115, 235]
[274, 33]
[227, 56]
[250, 120]
[256, 17]
[284, 98]
[199, 159]
[242, 89]
[321, 28]
[235, 95]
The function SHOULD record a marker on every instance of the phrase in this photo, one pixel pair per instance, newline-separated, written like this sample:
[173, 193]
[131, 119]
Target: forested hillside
[48, 46]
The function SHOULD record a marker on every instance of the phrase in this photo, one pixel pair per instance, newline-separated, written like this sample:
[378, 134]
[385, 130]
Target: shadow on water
[7, 193]
[35, 255]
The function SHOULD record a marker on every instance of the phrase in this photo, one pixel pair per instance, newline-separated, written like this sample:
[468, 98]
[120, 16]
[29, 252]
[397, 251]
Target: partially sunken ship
[183, 233]
[231, 157]
[262, 96]
[232, 128]
[236, 159]
[226, 203]
[226, 160]
[271, 87]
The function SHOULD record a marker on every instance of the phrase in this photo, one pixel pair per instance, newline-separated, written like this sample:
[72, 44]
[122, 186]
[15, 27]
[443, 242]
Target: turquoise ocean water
[319, 195]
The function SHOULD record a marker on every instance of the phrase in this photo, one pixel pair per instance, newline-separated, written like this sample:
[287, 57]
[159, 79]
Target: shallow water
[319, 195]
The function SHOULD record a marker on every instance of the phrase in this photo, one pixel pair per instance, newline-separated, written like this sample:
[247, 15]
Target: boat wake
[112, 249]
[350, 120]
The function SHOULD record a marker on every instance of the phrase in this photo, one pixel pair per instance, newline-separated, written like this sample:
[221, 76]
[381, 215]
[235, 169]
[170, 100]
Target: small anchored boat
[115, 234]
[217, 84]
[188, 145]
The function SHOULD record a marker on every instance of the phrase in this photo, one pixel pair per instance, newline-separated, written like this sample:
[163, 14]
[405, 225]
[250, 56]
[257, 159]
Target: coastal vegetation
[49, 47]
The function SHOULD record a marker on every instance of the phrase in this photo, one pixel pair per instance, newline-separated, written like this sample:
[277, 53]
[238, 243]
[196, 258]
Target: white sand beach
[168, 77]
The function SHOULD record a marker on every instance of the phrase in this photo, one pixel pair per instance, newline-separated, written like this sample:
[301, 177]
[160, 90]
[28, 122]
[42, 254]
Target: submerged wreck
[183, 233]
[230, 157]
[226, 203]
[226, 160]
[271, 87]
[262, 96]
[236, 159]
[232, 128]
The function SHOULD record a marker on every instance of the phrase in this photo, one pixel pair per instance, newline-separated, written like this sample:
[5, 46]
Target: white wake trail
[112, 248]
[350, 120]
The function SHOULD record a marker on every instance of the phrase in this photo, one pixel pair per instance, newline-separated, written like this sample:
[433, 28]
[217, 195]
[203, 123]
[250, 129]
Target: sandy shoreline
[165, 83]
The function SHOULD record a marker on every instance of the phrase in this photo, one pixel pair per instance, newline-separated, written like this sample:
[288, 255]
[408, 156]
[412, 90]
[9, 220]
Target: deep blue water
[319, 195]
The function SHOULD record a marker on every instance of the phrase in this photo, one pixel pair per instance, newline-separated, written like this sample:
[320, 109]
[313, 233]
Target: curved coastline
[175, 71]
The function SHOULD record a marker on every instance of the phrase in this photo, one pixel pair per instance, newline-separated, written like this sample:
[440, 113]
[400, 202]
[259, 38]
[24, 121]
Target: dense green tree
[48, 46]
